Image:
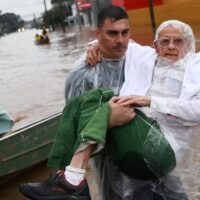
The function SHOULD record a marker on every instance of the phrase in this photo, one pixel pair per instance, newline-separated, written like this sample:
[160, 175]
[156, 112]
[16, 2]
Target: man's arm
[119, 114]
[79, 81]
[93, 55]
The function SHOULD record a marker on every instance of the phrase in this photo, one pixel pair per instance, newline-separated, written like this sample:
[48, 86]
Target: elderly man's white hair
[186, 29]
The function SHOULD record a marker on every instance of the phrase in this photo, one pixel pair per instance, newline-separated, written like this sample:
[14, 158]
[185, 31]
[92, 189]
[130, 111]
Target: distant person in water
[37, 37]
[45, 33]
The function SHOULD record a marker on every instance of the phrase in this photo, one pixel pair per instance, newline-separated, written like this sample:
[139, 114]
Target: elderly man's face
[171, 44]
[113, 38]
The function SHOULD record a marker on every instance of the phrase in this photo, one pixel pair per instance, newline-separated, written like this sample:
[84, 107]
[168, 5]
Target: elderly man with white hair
[167, 86]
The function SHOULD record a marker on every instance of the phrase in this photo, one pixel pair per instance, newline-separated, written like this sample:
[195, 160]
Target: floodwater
[32, 80]
[32, 77]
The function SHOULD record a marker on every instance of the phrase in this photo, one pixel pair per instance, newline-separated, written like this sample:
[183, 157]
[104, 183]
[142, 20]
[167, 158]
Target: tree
[10, 22]
[56, 15]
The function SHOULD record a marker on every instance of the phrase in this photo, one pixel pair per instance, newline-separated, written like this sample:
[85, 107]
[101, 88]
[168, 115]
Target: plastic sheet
[6, 122]
[114, 185]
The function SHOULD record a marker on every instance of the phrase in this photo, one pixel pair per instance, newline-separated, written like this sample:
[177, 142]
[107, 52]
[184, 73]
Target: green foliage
[56, 15]
[10, 22]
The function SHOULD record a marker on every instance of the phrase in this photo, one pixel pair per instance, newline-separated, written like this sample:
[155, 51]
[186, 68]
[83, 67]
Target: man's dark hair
[111, 12]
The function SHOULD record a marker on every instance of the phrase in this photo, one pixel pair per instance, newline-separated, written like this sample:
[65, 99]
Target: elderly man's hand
[119, 114]
[133, 100]
[93, 55]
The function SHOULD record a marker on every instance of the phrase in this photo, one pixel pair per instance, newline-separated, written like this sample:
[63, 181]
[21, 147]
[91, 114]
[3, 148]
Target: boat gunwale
[8, 135]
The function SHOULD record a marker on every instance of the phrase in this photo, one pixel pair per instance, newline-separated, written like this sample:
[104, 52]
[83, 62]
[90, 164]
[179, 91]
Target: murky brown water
[9, 190]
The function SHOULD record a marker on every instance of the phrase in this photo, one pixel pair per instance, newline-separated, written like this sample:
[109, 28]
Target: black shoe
[56, 188]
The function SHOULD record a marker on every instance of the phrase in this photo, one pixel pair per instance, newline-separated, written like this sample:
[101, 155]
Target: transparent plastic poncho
[106, 74]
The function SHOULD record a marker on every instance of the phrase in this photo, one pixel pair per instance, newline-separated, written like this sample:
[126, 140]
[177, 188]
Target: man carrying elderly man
[164, 85]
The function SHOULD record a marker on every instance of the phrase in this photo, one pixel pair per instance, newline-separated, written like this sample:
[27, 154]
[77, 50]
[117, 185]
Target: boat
[27, 146]
[42, 41]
